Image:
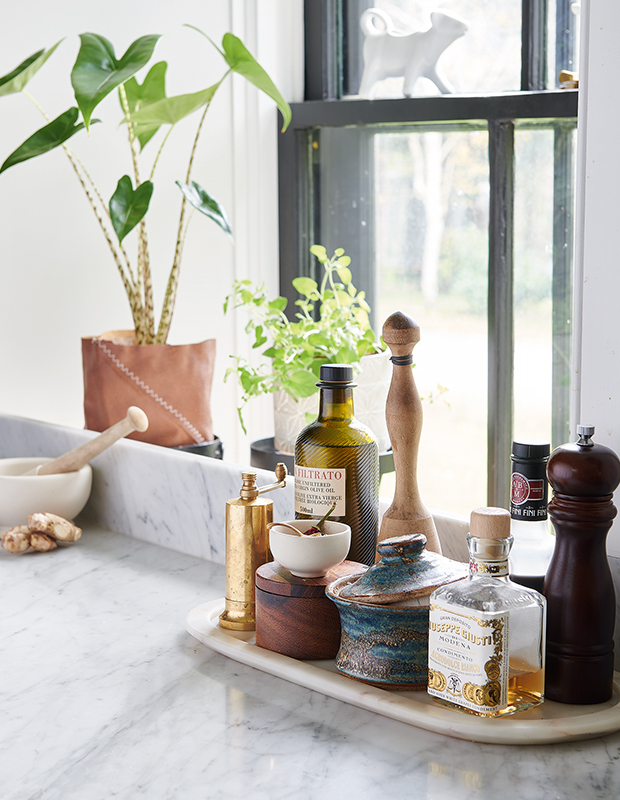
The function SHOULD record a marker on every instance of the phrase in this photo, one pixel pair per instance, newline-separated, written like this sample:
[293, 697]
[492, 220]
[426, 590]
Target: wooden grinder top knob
[401, 330]
[584, 469]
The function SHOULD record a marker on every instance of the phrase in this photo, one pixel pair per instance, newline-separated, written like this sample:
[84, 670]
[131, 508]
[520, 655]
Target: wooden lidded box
[293, 615]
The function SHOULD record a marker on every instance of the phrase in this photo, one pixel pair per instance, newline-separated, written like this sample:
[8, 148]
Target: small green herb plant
[331, 327]
[145, 109]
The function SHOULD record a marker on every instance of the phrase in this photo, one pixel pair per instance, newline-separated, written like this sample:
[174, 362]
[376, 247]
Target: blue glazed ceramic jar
[384, 613]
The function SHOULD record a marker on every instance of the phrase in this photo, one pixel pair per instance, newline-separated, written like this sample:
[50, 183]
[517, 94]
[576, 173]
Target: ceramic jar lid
[406, 570]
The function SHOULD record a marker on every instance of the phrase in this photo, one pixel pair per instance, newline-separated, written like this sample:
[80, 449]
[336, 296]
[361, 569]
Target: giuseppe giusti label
[468, 657]
[317, 489]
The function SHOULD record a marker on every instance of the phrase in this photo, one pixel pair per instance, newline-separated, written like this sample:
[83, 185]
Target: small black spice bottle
[529, 526]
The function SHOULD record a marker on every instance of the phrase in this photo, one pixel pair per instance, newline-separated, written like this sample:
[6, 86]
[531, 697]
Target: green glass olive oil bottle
[337, 461]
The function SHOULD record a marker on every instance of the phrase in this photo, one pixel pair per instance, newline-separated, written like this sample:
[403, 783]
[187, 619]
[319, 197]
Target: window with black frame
[456, 208]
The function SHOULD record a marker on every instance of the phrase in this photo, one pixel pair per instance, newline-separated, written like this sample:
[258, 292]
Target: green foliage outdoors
[463, 267]
[330, 327]
[145, 109]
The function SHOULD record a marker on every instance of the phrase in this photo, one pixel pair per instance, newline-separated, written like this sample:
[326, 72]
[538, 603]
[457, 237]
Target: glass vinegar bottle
[337, 461]
[486, 633]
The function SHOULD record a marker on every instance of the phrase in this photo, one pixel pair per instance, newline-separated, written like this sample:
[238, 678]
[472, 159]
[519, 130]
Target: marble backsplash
[178, 500]
[162, 496]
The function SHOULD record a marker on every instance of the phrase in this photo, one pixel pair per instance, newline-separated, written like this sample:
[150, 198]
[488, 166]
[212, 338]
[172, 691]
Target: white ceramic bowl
[310, 556]
[20, 495]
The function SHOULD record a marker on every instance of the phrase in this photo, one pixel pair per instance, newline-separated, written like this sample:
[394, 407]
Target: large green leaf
[239, 59]
[171, 110]
[203, 202]
[138, 96]
[302, 382]
[279, 304]
[304, 285]
[97, 71]
[16, 80]
[46, 138]
[344, 273]
[128, 207]
[320, 252]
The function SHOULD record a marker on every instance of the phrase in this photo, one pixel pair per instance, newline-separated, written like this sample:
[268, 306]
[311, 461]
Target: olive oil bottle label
[468, 657]
[317, 489]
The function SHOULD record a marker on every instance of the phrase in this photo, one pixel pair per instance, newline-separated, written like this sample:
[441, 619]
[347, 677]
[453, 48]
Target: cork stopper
[490, 523]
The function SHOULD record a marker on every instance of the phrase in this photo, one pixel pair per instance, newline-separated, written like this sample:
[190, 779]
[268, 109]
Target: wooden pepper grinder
[403, 413]
[581, 604]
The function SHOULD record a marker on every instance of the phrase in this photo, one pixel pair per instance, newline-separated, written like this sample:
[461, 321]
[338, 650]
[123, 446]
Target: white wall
[597, 271]
[57, 278]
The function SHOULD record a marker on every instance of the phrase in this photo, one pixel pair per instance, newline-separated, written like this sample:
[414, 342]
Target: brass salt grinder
[247, 548]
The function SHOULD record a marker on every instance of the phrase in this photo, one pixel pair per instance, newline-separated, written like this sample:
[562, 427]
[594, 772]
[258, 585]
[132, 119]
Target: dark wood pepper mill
[581, 605]
[403, 413]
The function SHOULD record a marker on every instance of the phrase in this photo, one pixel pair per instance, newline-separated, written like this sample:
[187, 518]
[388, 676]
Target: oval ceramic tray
[551, 722]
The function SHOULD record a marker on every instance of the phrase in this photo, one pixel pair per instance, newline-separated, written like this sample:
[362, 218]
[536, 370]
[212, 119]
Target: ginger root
[54, 526]
[42, 542]
[41, 533]
[16, 540]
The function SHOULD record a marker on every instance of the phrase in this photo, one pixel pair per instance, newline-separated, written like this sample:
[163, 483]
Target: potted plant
[121, 368]
[331, 326]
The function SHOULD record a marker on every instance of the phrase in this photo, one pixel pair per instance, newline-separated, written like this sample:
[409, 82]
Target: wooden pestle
[403, 413]
[136, 420]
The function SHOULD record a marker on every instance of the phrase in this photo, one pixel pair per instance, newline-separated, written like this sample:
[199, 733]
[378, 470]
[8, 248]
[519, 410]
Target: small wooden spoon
[297, 532]
[136, 420]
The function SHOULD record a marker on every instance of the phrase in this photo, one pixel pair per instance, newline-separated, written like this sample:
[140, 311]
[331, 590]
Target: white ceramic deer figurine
[389, 53]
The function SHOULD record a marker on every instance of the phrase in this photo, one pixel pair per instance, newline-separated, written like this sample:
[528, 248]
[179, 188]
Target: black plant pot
[214, 449]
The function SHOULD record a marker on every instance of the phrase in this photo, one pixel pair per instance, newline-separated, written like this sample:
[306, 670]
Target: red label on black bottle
[528, 497]
[523, 489]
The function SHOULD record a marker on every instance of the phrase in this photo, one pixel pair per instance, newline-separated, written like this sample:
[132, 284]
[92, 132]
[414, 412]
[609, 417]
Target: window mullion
[562, 292]
[352, 50]
[322, 38]
[500, 310]
[565, 29]
[533, 45]
[344, 215]
[296, 211]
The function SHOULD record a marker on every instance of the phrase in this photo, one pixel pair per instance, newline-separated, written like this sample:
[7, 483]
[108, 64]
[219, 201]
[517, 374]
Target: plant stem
[330, 267]
[149, 307]
[144, 268]
[173, 279]
[130, 132]
[134, 300]
[324, 281]
[36, 104]
[161, 147]
[93, 186]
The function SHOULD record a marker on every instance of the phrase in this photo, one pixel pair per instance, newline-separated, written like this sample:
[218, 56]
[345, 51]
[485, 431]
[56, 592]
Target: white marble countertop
[105, 695]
